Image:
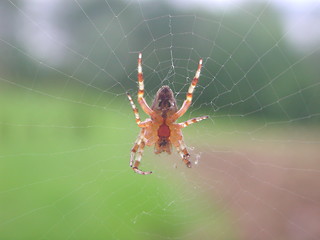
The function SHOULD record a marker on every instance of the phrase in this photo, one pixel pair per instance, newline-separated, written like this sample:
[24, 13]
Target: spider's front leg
[144, 105]
[136, 114]
[186, 104]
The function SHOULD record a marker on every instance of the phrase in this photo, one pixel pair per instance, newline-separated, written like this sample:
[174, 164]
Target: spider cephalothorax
[164, 102]
[161, 129]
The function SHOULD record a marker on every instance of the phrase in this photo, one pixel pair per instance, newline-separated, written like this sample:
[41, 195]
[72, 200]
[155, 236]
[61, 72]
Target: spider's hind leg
[134, 150]
[185, 157]
[183, 152]
[136, 155]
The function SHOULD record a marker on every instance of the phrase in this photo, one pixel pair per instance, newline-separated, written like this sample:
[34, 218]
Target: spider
[161, 129]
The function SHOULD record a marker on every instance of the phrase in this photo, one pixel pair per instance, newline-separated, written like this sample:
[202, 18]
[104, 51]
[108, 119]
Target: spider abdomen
[164, 131]
[163, 143]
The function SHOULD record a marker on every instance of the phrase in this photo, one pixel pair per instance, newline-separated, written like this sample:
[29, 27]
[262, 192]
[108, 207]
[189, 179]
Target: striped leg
[183, 152]
[193, 120]
[186, 104]
[138, 156]
[134, 150]
[134, 108]
[144, 105]
[136, 114]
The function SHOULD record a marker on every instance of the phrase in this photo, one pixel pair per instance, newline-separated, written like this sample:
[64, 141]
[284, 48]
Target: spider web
[66, 126]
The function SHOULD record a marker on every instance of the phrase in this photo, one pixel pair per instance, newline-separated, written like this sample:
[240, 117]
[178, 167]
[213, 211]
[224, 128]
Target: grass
[64, 175]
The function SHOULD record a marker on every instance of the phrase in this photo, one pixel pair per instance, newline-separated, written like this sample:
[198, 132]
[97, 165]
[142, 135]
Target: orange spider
[161, 129]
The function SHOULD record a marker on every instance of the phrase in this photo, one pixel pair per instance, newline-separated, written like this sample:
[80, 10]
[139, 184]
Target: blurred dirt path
[271, 190]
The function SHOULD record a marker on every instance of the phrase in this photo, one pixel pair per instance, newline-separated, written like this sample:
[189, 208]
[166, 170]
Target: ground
[271, 189]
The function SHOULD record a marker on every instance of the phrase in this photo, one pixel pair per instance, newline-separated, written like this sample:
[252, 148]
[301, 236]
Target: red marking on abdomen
[164, 131]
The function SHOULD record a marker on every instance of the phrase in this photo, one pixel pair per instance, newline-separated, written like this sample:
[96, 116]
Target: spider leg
[190, 121]
[134, 150]
[136, 113]
[138, 156]
[135, 109]
[183, 152]
[144, 105]
[186, 104]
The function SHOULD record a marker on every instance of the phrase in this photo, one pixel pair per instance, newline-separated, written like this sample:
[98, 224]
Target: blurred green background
[66, 127]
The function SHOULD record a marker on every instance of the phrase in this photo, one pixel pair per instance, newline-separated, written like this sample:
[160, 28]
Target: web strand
[66, 126]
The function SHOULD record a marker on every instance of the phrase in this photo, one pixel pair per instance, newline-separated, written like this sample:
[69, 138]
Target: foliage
[249, 68]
